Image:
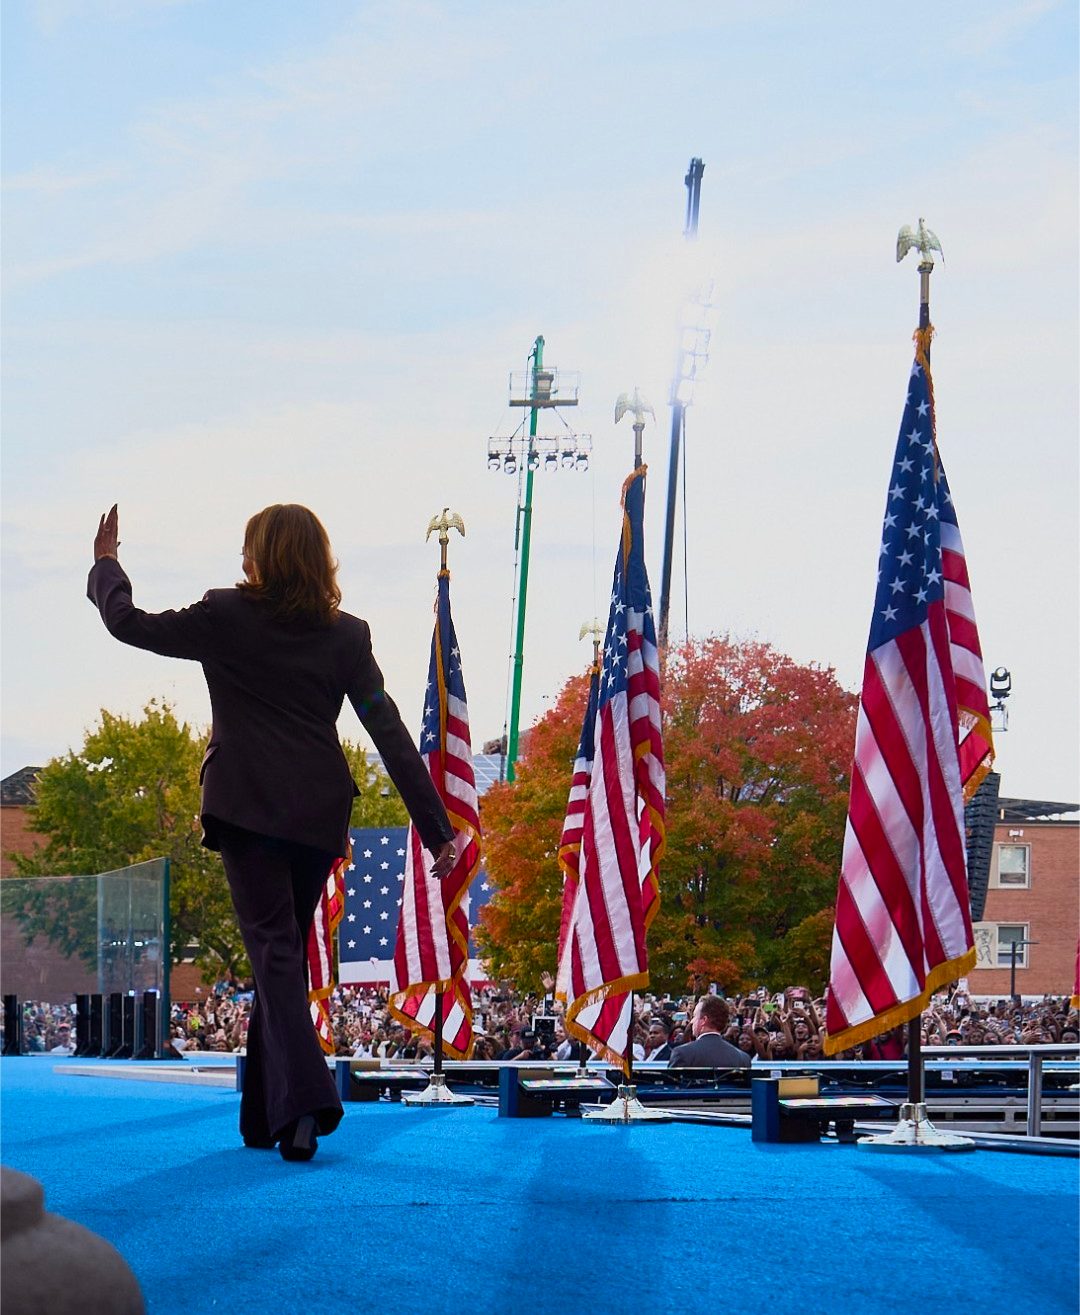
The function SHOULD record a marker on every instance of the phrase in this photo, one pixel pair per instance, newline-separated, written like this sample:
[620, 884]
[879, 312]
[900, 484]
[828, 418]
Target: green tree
[132, 793]
[378, 803]
[757, 750]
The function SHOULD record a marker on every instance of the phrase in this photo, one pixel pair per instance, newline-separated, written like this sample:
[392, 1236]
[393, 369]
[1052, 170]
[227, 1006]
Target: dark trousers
[275, 887]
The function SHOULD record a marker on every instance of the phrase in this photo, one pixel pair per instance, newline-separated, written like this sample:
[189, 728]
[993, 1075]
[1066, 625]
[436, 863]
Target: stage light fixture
[494, 463]
[582, 463]
[510, 464]
[1001, 683]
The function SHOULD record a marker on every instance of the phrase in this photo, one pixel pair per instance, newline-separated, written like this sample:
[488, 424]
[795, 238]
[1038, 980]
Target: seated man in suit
[709, 1049]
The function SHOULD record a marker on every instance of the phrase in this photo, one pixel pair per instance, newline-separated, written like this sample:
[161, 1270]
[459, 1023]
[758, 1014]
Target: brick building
[16, 834]
[1032, 897]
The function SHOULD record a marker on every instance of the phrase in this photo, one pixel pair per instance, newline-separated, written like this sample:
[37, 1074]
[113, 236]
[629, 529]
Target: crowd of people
[787, 1025]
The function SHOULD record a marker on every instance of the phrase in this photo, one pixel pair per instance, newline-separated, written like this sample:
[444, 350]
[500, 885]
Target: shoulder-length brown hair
[294, 572]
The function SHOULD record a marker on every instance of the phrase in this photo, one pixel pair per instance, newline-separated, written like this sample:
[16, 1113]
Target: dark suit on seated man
[709, 1049]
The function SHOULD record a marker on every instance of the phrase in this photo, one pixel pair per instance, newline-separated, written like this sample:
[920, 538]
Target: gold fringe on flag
[320, 998]
[903, 1012]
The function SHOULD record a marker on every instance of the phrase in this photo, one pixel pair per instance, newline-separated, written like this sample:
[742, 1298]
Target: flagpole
[437, 1092]
[437, 1042]
[626, 1107]
[437, 1068]
[916, 1076]
[638, 407]
[914, 1129]
[597, 632]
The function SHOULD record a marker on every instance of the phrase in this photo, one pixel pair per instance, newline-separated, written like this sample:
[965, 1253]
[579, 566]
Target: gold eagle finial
[922, 239]
[449, 520]
[444, 524]
[638, 406]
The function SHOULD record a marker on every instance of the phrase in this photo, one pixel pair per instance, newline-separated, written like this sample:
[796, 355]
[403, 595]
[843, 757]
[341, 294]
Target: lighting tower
[692, 355]
[538, 388]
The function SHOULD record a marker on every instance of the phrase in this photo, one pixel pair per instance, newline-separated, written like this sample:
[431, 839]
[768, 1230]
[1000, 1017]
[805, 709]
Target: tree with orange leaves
[757, 748]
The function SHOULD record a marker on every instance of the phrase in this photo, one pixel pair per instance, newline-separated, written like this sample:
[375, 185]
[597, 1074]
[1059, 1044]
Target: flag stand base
[915, 1132]
[436, 1093]
[626, 1108]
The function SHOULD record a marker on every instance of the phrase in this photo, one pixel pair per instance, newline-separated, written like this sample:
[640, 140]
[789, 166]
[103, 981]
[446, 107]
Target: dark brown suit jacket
[274, 763]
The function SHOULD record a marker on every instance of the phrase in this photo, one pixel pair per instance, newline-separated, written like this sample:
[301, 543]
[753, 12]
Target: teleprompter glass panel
[70, 935]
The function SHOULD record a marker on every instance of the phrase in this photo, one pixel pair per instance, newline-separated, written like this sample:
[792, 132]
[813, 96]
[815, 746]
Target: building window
[1013, 866]
[1009, 934]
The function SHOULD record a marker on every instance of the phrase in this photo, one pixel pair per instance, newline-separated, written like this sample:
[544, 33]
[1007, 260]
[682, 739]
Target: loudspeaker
[82, 1025]
[148, 1031]
[129, 1017]
[114, 1027]
[96, 1044]
[980, 819]
[13, 1033]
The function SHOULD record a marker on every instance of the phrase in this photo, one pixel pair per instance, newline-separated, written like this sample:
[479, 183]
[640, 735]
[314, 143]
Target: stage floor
[409, 1210]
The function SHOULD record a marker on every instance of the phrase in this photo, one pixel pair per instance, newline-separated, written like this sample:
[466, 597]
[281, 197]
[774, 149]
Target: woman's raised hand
[106, 541]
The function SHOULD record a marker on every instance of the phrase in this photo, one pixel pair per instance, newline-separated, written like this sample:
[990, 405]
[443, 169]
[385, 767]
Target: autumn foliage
[758, 749]
[522, 822]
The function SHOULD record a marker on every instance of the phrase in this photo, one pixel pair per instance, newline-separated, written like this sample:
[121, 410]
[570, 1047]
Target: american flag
[570, 842]
[431, 950]
[903, 916]
[604, 956]
[320, 952]
[374, 883]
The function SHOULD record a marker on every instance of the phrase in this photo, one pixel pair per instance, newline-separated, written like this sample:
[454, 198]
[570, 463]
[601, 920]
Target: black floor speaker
[13, 1033]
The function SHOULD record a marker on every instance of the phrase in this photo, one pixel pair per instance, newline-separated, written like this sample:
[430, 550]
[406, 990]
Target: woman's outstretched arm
[183, 634]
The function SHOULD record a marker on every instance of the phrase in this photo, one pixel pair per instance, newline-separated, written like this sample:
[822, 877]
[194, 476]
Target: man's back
[710, 1050]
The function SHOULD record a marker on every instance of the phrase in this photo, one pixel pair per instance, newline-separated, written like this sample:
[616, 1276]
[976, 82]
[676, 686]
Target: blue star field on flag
[626, 593]
[910, 575]
[430, 730]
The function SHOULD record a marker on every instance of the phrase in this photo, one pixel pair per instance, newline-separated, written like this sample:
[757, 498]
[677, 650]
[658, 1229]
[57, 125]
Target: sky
[265, 252]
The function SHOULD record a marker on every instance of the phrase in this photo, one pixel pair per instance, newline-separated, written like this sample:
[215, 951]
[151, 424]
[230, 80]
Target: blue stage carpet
[457, 1210]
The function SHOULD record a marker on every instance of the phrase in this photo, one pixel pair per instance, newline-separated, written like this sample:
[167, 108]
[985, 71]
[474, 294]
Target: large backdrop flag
[374, 881]
[431, 952]
[613, 837]
[922, 745]
[320, 952]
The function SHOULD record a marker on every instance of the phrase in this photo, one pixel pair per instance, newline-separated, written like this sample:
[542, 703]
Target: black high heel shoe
[299, 1141]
